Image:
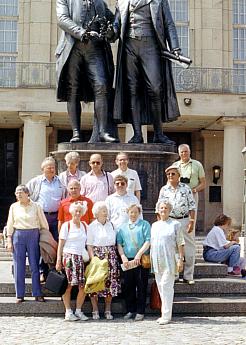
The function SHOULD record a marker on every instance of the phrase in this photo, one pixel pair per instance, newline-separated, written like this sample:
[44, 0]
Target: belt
[50, 213]
[186, 216]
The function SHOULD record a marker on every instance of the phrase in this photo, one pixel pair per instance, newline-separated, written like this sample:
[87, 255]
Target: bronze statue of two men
[144, 87]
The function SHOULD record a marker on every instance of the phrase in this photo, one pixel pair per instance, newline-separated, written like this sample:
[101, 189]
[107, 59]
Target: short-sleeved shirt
[166, 237]
[132, 237]
[101, 235]
[97, 188]
[133, 184]
[216, 238]
[193, 170]
[50, 194]
[181, 198]
[63, 212]
[117, 206]
[75, 238]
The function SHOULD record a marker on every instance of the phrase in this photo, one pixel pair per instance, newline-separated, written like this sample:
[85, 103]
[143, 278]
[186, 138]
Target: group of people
[144, 87]
[98, 214]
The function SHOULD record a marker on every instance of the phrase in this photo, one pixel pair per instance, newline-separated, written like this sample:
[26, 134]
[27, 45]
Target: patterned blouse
[181, 198]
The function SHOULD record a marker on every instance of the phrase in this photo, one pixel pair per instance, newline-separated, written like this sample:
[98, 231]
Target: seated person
[216, 248]
[234, 235]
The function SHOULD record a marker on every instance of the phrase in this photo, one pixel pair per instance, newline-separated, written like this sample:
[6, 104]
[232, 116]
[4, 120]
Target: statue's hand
[94, 36]
[110, 32]
[177, 51]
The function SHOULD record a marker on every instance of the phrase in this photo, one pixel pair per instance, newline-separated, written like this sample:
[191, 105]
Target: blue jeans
[231, 255]
[26, 241]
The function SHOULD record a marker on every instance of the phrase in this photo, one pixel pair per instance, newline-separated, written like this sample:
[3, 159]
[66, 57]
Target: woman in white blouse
[166, 241]
[101, 242]
[25, 220]
[71, 255]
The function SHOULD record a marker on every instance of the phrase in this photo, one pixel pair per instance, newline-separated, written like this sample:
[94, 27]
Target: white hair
[161, 202]
[82, 205]
[48, 161]
[183, 146]
[72, 156]
[97, 207]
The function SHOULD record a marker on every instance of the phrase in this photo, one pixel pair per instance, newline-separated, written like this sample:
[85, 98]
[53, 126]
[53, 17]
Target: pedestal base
[149, 160]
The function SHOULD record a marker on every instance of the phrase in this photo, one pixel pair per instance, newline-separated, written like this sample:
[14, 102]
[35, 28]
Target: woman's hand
[9, 245]
[180, 265]
[137, 259]
[58, 265]
[125, 261]
[190, 227]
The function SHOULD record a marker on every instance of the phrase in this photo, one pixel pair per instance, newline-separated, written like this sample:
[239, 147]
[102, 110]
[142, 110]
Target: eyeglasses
[170, 174]
[120, 183]
[97, 163]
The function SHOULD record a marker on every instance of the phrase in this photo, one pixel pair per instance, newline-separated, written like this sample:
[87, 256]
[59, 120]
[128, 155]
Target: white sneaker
[81, 316]
[71, 317]
[95, 315]
[163, 321]
[108, 315]
[128, 316]
[139, 317]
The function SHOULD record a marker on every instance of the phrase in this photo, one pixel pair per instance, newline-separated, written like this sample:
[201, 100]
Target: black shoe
[136, 139]
[76, 136]
[163, 139]
[243, 273]
[107, 138]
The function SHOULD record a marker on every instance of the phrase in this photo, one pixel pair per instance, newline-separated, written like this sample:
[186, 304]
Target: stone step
[193, 306]
[202, 287]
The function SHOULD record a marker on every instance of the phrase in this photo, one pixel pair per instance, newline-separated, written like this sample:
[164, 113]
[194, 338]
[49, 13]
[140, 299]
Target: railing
[194, 79]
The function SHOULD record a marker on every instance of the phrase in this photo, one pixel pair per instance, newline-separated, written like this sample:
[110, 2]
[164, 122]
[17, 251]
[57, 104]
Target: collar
[76, 173]
[186, 163]
[79, 198]
[45, 179]
[93, 174]
[171, 187]
[134, 223]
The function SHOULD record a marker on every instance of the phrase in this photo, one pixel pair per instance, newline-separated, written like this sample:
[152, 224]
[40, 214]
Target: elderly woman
[25, 219]
[72, 173]
[216, 248]
[71, 255]
[133, 239]
[167, 242]
[101, 242]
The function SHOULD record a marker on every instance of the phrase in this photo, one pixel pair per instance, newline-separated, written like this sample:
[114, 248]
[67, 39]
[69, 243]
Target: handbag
[56, 282]
[145, 261]
[155, 299]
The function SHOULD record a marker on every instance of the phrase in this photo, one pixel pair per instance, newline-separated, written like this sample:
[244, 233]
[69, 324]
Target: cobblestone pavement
[186, 330]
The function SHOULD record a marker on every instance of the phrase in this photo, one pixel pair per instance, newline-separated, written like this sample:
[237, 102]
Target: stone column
[34, 143]
[234, 142]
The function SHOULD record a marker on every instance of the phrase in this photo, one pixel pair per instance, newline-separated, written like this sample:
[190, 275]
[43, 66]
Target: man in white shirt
[134, 185]
[118, 203]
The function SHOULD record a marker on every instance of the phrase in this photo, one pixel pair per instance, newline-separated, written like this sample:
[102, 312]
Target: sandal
[95, 315]
[39, 299]
[108, 315]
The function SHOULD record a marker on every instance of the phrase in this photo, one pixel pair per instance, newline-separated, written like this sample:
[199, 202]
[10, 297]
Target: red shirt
[63, 211]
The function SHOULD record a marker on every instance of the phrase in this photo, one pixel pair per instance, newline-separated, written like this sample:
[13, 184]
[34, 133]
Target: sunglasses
[170, 174]
[120, 183]
[97, 163]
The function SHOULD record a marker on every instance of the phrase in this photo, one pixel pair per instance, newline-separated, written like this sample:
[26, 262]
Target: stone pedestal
[149, 160]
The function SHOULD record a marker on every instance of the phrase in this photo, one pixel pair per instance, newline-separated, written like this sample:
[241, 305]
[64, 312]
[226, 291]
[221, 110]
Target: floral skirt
[112, 284]
[74, 268]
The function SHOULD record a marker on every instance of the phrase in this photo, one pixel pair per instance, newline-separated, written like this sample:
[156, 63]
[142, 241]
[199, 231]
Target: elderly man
[179, 195]
[119, 202]
[85, 66]
[133, 186]
[191, 172]
[74, 195]
[97, 184]
[47, 190]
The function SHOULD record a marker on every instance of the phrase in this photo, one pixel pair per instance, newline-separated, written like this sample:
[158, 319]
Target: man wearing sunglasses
[97, 184]
[180, 196]
[119, 202]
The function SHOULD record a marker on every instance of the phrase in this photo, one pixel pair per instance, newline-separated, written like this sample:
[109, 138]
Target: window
[239, 45]
[180, 13]
[8, 8]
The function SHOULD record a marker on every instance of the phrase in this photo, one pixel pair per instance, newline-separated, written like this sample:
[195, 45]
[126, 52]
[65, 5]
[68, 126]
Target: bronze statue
[85, 66]
[145, 92]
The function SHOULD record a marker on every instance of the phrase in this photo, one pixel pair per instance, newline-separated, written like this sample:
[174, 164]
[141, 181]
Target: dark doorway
[9, 144]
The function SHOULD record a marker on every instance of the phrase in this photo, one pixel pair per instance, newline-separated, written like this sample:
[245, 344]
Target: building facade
[211, 95]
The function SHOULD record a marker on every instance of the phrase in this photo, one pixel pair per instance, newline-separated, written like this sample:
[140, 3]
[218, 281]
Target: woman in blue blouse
[133, 241]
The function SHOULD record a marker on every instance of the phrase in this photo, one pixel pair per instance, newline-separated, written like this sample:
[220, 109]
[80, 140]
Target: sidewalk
[182, 331]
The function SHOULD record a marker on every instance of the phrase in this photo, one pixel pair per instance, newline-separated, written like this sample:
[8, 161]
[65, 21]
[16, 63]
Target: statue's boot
[136, 139]
[74, 112]
[163, 139]
[107, 138]
[136, 124]
[159, 137]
